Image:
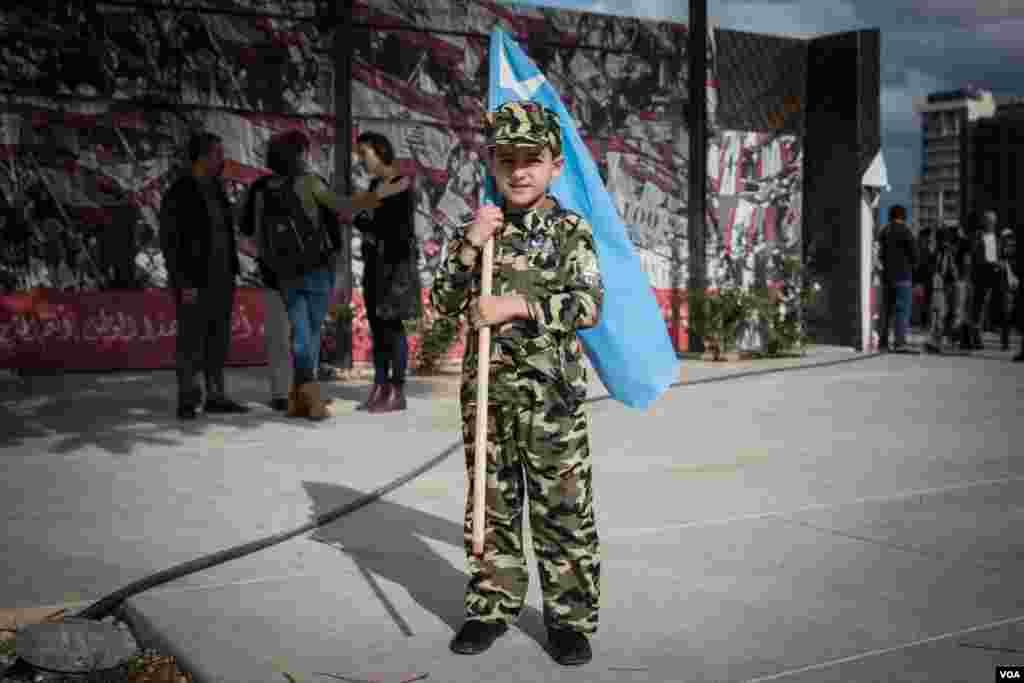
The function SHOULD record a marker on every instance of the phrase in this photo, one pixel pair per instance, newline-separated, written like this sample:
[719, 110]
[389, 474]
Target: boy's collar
[547, 205]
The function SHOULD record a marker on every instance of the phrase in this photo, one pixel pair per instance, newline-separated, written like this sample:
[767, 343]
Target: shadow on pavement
[387, 541]
[120, 412]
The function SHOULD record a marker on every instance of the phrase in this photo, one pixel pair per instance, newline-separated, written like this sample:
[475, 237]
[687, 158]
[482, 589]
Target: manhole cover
[74, 645]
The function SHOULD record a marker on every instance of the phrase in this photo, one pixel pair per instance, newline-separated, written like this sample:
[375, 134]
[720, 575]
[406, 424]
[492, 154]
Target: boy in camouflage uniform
[546, 286]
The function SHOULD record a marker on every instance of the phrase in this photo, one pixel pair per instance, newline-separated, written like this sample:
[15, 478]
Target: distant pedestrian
[391, 282]
[898, 254]
[943, 299]
[1015, 259]
[926, 250]
[1009, 282]
[197, 235]
[986, 276]
[276, 326]
[295, 202]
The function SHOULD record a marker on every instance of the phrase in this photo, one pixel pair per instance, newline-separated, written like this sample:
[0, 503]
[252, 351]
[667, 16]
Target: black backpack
[293, 244]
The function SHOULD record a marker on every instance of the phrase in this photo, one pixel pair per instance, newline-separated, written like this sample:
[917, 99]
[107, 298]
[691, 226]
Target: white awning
[876, 175]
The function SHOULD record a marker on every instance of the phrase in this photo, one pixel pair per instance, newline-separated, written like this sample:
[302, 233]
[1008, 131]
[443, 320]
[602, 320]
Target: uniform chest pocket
[542, 253]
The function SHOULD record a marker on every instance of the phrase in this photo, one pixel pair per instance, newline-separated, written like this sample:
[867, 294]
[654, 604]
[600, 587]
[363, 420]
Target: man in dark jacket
[197, 235]
[986, 276]
[898, 253]
[1016, 262]
[923, 276]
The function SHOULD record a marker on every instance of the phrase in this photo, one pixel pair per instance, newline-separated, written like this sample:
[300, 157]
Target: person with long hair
[306, 296]
[391, 284]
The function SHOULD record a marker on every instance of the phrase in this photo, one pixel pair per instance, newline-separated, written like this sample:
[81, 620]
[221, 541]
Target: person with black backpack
[293, 215]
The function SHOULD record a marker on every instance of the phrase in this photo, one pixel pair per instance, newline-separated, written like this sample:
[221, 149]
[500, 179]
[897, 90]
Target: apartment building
[940, 194]
[996, 163]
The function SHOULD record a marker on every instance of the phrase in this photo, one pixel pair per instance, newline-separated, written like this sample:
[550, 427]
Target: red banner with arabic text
[135, 330]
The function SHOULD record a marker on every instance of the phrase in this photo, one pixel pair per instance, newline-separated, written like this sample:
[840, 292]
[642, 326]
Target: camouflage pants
[542, 456]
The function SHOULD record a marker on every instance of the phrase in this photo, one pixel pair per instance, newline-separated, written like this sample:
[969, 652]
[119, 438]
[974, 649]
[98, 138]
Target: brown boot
[374, 396]
[309, 397]
[296, 408]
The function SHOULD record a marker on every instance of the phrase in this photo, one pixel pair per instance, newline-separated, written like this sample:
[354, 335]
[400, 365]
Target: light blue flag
[630, 347]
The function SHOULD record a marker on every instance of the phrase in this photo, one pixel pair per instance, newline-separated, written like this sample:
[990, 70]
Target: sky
[927, 46]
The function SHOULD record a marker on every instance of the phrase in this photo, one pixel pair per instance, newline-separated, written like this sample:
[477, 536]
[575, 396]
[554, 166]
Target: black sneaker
[279, 404]
[224, 405]
[932, 348]
[476, 636]
[568, 647]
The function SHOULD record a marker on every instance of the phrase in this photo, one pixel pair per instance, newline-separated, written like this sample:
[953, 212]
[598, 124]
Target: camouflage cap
[523, 123]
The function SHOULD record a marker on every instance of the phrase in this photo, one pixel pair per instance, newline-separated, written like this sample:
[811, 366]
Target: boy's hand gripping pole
[483, 372]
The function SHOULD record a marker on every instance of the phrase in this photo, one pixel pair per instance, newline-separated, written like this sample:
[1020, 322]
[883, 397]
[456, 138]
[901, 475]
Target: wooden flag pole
[483, 372]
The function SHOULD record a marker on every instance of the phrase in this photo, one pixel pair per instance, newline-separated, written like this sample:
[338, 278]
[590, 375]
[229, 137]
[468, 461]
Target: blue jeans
[904, 299]
[307, 307]
[897, 301]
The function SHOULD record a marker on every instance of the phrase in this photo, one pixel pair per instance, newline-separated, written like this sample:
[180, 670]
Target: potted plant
[717, 316]
[782, 309]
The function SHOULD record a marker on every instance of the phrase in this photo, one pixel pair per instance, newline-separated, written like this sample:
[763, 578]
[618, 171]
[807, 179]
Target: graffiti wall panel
[758, 179]
[544, 25]
[622, 80]
[420, 77]
[755, 210]
[90, 145]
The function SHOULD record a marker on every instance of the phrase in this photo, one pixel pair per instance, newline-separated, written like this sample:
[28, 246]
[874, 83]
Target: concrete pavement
[856, 522]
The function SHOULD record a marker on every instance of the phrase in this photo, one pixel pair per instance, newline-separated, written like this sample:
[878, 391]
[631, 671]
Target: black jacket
[898, 252]
[1018, 265]
[391, 281]
[185, 234]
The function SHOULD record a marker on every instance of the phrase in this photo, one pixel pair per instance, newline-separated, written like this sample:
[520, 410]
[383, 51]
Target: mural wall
[97, 100]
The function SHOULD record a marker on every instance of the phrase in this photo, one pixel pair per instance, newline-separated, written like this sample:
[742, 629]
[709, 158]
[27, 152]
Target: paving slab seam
[614, 533]
[106, 605]
[753, 516]
[884, 651]
[920, 552]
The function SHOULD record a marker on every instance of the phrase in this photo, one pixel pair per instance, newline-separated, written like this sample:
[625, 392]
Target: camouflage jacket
[547, 256]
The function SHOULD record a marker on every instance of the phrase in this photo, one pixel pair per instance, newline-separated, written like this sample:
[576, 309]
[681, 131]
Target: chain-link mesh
[761, 82]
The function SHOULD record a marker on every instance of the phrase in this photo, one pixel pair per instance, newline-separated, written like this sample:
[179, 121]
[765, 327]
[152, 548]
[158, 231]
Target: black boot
[476, 636]
[965, 339]
[568, 647]
[188, 404]
[217, 401]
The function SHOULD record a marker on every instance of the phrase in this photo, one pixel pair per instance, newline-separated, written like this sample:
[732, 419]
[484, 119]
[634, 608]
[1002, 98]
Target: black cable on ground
[106, 606]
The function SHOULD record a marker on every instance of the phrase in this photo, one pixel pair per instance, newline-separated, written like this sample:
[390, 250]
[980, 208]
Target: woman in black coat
[391, 284]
